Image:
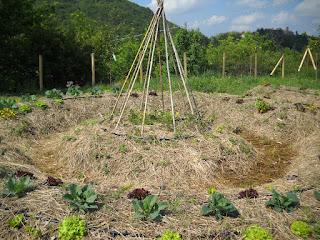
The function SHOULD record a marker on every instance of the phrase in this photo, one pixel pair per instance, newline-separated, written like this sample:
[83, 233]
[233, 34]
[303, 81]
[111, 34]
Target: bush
[262, 106]
[72, 228]
[81, 199]
[7, 113]
[17, 221]
[280, 202]
[169, 235]
[54, 94]
[301, 229]
[17, 186]
[256, 232]
[41, 105]
[148, 208]
[219, 206]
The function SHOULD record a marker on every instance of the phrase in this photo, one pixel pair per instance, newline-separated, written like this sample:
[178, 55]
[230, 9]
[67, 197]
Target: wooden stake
[303, 59]
[283, 66]
[317, 66]
[223, 64]
[185, 60]
[41, 72]
[161, 79]
[277, 65]
[255, 65]
[250, 65]
[312, 60]
[141, 75]
[93, 70]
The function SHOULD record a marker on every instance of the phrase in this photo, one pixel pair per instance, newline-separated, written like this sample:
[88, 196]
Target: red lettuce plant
[20, 174]
[248, 193]
[139, 193]
[51, 181]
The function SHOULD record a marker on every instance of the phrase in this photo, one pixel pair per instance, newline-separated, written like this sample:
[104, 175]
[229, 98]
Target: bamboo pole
[312, 60]
[168, 71]
[185, 61]
[93, 70]
[255, 65]
[277, 65]
[250, 65]
[283, 66]
[141, 75]
[41, 72]
[223, 64]
[303, 59]
[161, 79]
[317, 66]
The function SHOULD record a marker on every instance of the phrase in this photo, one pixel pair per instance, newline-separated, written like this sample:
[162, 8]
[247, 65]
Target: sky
[217, 16]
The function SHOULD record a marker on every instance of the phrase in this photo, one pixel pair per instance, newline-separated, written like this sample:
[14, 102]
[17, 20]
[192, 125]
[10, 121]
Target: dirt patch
[272, 161]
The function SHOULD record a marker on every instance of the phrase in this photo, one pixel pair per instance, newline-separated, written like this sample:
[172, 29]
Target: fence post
[283, 66]
[185, 60]
[141, 74]
[41, 72]
[316, 66]
[224, 64]
[93, 69]
[255, 65]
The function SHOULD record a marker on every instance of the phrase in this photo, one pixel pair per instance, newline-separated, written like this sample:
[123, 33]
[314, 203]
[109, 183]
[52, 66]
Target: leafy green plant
[255, 232]
[40, 104]
[96, 91]
[17, 186]
[262, 106]
[148, 208]
[123, 149]
[58, 101]
[8, 103]
[24, 109]
[280, 202]
[17, 221]
[54, 94]
[7, 113]
[170, 235]
[211, 190]
[301, 229]
[81, 199]
[32, 231]
[219, 206]
[317, 195]
[72, 228]
[74, 91]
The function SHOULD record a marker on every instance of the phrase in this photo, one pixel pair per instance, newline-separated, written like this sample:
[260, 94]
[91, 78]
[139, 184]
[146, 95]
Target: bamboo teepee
[148, 44]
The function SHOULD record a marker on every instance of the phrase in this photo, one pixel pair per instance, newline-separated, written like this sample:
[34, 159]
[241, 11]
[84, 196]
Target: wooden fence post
[255, 65]
[185, 60]
[283, 66]
[93, 69]
[41, 72]
[224, 64]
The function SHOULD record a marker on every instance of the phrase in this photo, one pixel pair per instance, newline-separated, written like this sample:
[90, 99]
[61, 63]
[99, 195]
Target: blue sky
[217, 16]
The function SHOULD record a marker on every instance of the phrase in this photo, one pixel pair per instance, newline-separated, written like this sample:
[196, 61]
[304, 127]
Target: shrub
[139, 193]
[24, 109]
[317, 195]
[8, 103]
[74, 91]
[72, 228]
[17, 186]
[17, 221]
[248, 193]
[81, 199]
[170, 235]
[219, 206]
[262, 106]
[148, 208]
[280, 202]
[40, 104]
[255, 232]
[7, 113]
[301, 229]
[54, 94]
[96, 91]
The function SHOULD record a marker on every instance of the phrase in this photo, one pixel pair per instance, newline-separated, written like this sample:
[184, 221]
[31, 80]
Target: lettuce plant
[40, 104]
[17, 186]
[301, 229]
[72, 228]
[170, 235]
[262, 106]
[255, 232]
[8, 103]
[317, 195]
[81, 199]
[54, 94]
[96, 91]
[148, 208]
[25, 109]
[7, 113]
[219, 206]
[280, 202]
[139, 193]
[248, 193]
[74, 91]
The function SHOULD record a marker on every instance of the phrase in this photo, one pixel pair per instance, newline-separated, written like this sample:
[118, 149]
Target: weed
[301, 229]
[7, 113]
[255, 232]
[54, 94]
[72, 228]
[316, 230]
[32, 231]
[21, 129]
[280, 202]
[219, 206]
[81, 199]
[148, 208]
[17, 186]
[170, 235]
[17, 221]
[106, 169]
[262, 106]
[68, 138]
[41, 105]
[123, 149]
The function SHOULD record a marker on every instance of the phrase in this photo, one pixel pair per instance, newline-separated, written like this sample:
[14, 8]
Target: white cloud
[309, 8]
[280, 2]
[284, 17]
[178, 6]
[211, 21]
[245, 22]
[253, 3]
